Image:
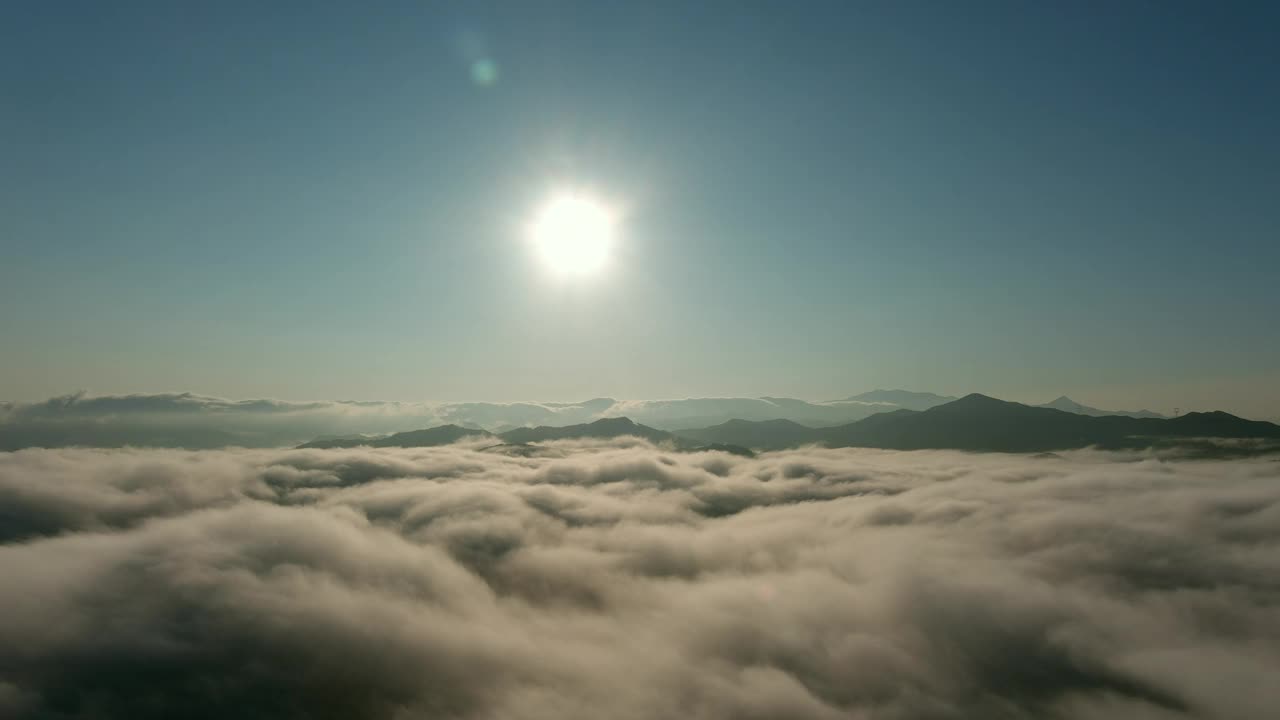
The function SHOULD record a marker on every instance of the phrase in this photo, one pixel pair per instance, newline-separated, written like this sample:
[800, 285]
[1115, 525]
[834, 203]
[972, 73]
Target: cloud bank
[615, 579]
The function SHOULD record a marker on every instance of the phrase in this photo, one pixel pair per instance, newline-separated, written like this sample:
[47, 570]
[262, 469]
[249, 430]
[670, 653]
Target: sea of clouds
[622, 580]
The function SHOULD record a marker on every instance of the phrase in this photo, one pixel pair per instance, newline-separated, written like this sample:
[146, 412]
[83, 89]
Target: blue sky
[317, 200]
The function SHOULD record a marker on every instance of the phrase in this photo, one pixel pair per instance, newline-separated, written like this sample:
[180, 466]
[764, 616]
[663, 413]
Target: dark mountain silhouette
[341, 441]
[1220, 424]
[606, 428]
[974, 422]
[200, 421]
[980, 423]
[762, 435]
[1066, 404]
[517, 450]
[443, 435]
[725, 448]
[522, 441]
[431, 437]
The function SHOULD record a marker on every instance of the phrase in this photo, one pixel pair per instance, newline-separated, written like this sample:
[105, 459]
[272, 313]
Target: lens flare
[484, 73]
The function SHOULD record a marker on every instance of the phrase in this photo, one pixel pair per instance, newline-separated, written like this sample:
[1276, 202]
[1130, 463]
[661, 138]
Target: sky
[332, 200]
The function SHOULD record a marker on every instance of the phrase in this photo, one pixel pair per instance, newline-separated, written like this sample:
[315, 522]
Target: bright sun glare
[574, 234]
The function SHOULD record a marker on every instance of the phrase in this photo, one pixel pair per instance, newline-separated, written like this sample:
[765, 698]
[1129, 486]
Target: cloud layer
[616, 579]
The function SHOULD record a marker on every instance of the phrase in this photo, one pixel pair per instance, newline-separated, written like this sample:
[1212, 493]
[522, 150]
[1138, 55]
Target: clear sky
[330, 200]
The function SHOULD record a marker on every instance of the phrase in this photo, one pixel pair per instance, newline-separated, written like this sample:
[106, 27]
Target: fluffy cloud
[613, 578]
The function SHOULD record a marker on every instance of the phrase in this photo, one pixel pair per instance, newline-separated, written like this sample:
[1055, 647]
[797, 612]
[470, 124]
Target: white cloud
[620, 579]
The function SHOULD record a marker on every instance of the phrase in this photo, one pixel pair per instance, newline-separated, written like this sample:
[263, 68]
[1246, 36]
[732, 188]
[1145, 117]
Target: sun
[574, 233]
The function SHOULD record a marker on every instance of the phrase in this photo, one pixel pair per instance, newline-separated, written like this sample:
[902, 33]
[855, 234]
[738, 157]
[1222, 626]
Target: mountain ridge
[427, 437]
[908, 399]
[1066, 404]
[975, 422]
[603, 428]
[979, 422]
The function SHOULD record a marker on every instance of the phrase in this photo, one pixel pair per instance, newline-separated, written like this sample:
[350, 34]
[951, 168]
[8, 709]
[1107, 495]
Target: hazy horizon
[1190, 399]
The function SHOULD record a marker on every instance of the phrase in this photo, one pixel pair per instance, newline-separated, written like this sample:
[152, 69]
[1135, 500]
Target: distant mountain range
[901, 399]
[974, 423]
[604, 429]
[688, 413]
[600, 429]
[762, 435]
[879, 418]
[431, 437]
[1066, 404]
[981, 423]
[684, 413]
[197, 421]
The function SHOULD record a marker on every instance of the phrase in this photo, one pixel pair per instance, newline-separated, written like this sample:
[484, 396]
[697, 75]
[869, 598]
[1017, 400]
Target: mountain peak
[1062, 402]
[977, 403]
[1066, 404]
[602, 428]
[979, 398]
[1207, 415]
